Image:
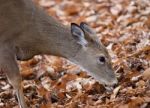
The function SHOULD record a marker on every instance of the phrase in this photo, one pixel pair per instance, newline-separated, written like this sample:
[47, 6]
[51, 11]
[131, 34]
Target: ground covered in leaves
[53, 82]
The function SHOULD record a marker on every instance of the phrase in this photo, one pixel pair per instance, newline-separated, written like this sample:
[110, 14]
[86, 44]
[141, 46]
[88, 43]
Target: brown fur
[26, 30]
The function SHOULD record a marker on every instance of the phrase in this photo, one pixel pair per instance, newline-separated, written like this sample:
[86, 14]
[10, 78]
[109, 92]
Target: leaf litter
[54, 82]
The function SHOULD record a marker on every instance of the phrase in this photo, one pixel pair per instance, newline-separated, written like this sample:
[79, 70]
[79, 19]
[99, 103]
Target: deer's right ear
[78, 34]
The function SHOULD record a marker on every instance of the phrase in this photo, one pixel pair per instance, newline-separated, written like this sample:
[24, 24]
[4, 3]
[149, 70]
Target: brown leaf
[146, 74]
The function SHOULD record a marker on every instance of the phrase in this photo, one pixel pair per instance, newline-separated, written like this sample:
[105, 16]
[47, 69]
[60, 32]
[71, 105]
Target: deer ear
[78, 34]
[89, 32]
[86, 28]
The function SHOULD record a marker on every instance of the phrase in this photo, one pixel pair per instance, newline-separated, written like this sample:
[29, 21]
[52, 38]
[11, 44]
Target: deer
[27, 30]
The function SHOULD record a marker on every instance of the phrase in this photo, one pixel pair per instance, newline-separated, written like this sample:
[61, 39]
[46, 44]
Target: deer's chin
[111, 82]
[107, 82]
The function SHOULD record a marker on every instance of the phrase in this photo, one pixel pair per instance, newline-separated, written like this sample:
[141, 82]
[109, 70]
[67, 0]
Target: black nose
[115, 83]
[18, 58]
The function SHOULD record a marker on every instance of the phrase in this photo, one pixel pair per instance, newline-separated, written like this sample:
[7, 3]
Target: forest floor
[53, 82]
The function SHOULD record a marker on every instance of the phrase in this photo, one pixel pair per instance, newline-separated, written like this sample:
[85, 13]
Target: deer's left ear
[86, 28]
[89, 32]
[78, 34]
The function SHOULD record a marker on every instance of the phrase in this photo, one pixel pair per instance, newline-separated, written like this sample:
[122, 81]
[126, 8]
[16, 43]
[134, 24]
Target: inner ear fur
[78, 34]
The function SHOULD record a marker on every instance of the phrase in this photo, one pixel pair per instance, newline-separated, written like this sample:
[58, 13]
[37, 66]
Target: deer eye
[102, 60]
